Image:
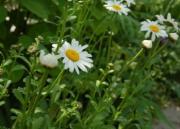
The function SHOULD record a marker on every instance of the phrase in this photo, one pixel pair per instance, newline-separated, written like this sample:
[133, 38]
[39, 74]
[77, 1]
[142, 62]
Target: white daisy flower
[74, 56]
[49, 60]
[153, 29]
[117, 6]
[169, 19]
[129, 2]
[172, 21]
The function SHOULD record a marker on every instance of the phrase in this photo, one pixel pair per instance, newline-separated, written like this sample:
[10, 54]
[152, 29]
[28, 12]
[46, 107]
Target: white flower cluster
[162, 27]
[120, 7]
[73, 54]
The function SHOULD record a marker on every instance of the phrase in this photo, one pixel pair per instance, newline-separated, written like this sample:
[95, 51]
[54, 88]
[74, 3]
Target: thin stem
[83, 18]
[158, 51]
[130, 61]
[168, 6]
[134, 58]
[155, 52]
[57, 80]
[97, 28]
[109, 48]
[62, 30]
[41, 86]
[122, 105]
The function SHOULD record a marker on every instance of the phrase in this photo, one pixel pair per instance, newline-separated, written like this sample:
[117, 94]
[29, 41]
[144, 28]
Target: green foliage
[38, 7]
[121, 91]
[3, 14]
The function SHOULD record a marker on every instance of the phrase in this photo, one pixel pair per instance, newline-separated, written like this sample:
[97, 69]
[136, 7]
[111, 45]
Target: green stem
[41, 86]
[57, 80]
[168, 6]
[122, 105]
[135, 57]
[109, 48]
[61, 30]
[130, 61]
[97, 28]
[82, 19]
[158, 51]
[155, 53]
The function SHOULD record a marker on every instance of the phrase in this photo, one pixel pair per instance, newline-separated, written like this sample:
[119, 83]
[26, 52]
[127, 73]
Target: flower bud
[32, 48]
[174, 36]
[49, 60]
[147, 44]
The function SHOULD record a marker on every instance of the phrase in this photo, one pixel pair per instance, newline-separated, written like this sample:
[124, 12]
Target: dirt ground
[173, 114]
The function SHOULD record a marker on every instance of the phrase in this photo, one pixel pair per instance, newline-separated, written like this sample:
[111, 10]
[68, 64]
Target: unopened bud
[32, 48]
[174, 36]
[147, 44]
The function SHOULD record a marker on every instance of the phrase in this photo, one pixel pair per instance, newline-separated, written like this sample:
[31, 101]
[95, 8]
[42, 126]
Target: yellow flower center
[116, 7]
[73, 55]
[154, 28]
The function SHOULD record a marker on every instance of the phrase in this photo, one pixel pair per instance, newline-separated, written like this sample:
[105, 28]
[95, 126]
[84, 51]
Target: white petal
[147, 34]
[82, 67]
[76, 68]
[87, 64]
[153, 37]
[70, 66]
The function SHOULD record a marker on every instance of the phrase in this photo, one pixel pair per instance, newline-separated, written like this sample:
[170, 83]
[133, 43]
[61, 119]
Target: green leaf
[3, 14]
[42, 29]
[17, 73]
[2, 103]
[16, 111]
[25, 41]
[38, 7]
[7, 62]
[38, 123]
[19, 95]
[25, 60]
[100, 26]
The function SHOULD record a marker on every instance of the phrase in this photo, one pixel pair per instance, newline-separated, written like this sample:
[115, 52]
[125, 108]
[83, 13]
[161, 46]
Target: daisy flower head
[129, 2]
[74, 56]
[153, 29]
[117, 6]
[49, 60]
[172, 21]
[169, 19]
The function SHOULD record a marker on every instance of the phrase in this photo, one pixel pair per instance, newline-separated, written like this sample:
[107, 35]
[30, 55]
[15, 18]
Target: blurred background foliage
[95, 102]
